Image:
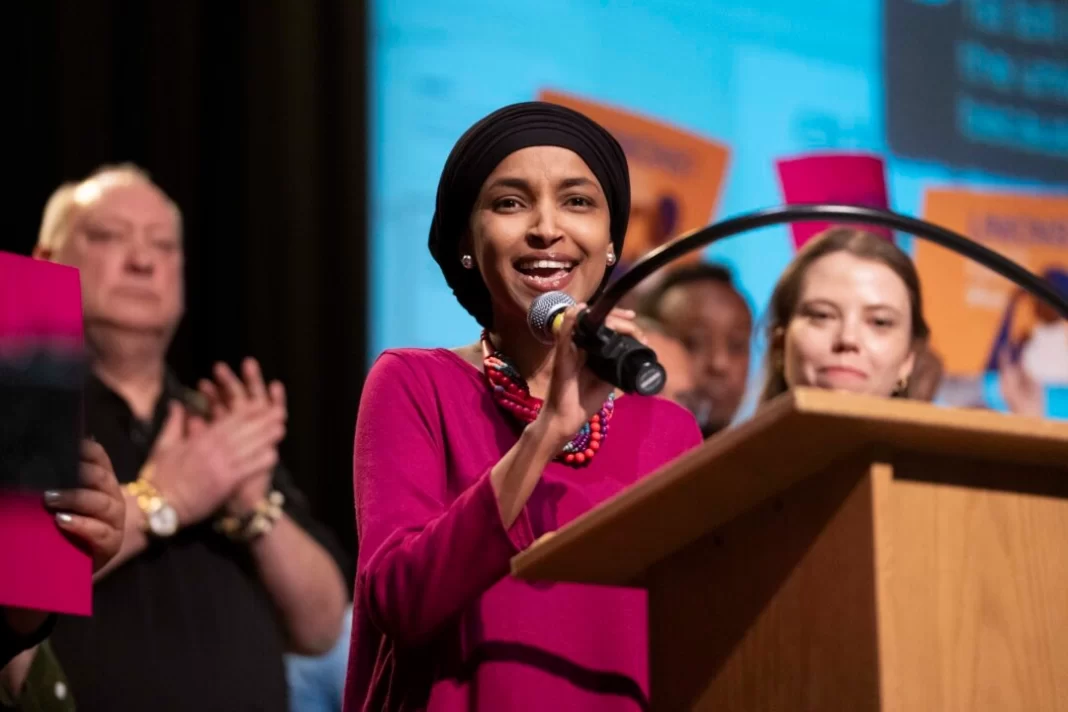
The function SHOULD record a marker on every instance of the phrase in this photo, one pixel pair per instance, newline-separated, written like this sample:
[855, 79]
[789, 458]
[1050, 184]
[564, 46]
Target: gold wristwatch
[161, 520]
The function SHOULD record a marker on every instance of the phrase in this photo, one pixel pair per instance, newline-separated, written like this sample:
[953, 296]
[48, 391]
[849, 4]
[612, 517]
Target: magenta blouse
[438, 622]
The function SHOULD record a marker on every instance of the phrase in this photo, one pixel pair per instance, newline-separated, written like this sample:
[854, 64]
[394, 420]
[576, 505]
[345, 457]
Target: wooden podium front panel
[774, 611]
[934, 584]
[972, 587]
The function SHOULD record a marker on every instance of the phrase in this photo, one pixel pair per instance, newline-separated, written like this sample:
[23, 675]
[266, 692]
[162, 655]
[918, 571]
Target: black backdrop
[252, 116]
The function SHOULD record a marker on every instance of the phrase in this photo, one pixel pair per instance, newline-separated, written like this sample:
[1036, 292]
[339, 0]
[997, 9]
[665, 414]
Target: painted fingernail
[51, 496]
[64, 518]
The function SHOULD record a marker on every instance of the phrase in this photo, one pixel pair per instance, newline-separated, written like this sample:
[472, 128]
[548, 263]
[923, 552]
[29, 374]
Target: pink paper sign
[840, 178]
[39, 567]
[40, 305]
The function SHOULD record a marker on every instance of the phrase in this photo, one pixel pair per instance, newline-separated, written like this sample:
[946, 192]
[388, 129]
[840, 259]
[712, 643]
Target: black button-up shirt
[187, 624]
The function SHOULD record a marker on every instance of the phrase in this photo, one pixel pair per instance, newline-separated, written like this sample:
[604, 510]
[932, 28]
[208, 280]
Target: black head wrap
[481, 149]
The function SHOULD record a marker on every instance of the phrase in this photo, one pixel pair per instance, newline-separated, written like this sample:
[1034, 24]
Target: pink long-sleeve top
[439, 624]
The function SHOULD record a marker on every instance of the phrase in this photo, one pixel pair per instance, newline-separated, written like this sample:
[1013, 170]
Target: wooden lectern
[840, 552]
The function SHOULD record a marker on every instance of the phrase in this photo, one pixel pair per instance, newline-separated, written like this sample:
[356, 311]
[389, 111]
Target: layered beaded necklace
[512, 394]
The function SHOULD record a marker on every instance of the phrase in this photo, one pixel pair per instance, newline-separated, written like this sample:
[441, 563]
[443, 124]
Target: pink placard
[841, 178]
[40, 305]
[39, 301]
[39, 567]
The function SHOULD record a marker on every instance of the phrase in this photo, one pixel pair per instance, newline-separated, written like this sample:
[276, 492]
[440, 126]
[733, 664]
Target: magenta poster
[841, 178]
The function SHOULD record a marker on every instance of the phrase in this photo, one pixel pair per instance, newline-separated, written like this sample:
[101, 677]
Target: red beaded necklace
[512, 394]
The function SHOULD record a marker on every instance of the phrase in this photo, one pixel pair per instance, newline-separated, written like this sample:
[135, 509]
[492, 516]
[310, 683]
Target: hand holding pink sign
[40, 349]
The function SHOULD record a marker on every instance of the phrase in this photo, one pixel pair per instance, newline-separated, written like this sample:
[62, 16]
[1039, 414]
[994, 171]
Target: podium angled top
[797, 435]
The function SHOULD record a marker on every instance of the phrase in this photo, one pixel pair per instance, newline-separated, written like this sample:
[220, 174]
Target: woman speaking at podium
[464, 457]
[847, 315]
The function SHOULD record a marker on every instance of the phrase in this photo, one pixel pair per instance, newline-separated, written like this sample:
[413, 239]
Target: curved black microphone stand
[594, 317]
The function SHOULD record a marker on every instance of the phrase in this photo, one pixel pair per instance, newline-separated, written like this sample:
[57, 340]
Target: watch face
[163, 521]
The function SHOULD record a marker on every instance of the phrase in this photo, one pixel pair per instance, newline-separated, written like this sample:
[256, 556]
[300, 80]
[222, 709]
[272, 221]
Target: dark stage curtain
[252, 116]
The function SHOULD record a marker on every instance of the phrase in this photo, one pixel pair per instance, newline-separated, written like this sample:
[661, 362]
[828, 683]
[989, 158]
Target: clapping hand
[230, 396]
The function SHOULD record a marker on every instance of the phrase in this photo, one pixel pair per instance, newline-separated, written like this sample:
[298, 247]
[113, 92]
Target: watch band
[160, 518]
[256, 523]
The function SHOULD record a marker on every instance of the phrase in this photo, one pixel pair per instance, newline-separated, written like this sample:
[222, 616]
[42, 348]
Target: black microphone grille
[542, 311]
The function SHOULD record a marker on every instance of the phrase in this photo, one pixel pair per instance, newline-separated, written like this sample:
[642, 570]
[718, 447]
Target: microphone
[546, 313]
[615, 358]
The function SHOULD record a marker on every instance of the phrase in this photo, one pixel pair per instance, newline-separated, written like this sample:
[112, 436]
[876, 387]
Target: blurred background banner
[676, 176]
[979, 84]
[974, 313]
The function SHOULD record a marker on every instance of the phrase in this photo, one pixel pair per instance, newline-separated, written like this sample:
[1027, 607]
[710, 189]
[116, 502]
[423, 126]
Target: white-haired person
[222, 568]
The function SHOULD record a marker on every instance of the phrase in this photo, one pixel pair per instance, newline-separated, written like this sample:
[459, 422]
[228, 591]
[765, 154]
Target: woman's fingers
[565, 345]
[93, 452]
[96, 471]
[85, 502]
[621, 323]
[102, 539]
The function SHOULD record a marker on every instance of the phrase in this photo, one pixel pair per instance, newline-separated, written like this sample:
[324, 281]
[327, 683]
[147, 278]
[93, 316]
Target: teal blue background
[770, 78]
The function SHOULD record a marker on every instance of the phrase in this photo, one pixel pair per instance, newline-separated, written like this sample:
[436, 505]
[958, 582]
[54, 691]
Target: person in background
[681, 383]
[1027, 370]
[699, 305]
[1023, 394]
[222, 568]
[927, 375]
[317, 682]
[1035, 335]
[1044, 352]
[846, 315]
[93, 515]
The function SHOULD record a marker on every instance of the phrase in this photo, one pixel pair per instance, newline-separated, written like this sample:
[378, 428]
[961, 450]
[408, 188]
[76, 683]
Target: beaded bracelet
[256, 523]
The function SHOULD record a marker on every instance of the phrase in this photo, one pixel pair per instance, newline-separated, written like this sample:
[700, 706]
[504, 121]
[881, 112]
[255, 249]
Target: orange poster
[974, 313]
[676, 176]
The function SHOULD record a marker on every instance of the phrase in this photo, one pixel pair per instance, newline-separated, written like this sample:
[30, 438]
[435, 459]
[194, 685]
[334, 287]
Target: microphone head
[542, 312]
